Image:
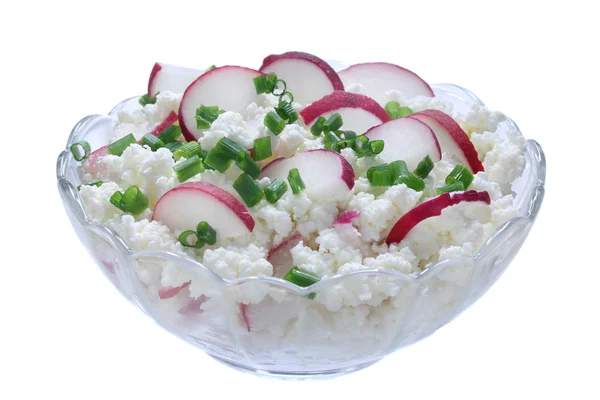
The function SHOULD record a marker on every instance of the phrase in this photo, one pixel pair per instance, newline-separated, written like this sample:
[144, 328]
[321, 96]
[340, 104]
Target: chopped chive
[295, 181]
[281, 90]
[376, 146]
[118, 147]
[301, 278]
[206, 115]
[190, 239]
[404, 111]
[262, 148]
[317, 127]
[248, 190]
[398, 169]
[217, 160]
[263, 84]
[274, 122]
[286, 111]
[188, 168]
[333, 123]
[283, 99]
[424, 168]
[380, 176]
[361, 146]
[206, 233]
[132, 201]
[152, 141]
[229, 148]
[331, 137]
[395, 111]
[97, 184]
[80, 150]
[275, 190]
[173, 146]
[350, 135]
[146, 99]
[170, 134]
[462, 174]
[342, 144]
[211, 68]
[247, 164]
[412, 181]
[454, 187]
[187, 151]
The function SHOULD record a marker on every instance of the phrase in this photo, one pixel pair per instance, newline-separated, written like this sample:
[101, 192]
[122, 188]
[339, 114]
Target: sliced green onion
[132, 201]
[215, 159]
[350, 135]
[311, 296]
[376, 146]
[424, 168]
[206, 233]
[283, 99]
[380, 176]
[395, 111]
[229, 148]
[118, 147]
[317, 127]
[173, 146]
[462, 174]
[263, 84]
[412, 181]
[188, 150]
[361, 146]
[152, 141]
[301, 278]
[206, 115]
[97, 184]
[281, 90]
[286, 111]
[80, 150]
[262, 149]
[145, 99]
[331, 137]
[211, 68]
[274, 122]
[342, 144]
[190, 239]
[275, 190]
[247, 164]
[398, 169]
[295, 181]
[248, 190]
[188, 168]
[170, 134]
[333, 123]
[454, 187]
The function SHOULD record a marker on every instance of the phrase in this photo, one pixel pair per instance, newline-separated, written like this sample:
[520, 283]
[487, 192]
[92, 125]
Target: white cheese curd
[358, 306]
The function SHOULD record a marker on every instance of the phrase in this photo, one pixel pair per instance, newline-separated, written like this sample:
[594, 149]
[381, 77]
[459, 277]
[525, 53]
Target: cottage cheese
[359, 306]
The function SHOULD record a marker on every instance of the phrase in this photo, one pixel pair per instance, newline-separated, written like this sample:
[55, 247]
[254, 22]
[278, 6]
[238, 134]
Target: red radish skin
[456, 135]
[347, 217]
[281, 257]
[299, 55]
[193, 307]
[216, 88]
[170, 120]
[245, 317]
[93, 164]
[379, 77]
[337, 100]
[172, 78]
[213, 191]
[155, 70]
[431, 208]
[167, 293]
[110, 267]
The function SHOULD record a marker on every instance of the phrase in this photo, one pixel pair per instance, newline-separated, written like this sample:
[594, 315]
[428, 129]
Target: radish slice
[431, 208]
[307, 77]
[378, 78]
[193, 307]
[453, 139]
[281, 256]
[358, 112]
[406, 139]
[172, 78]
[93, 163]
[110, 267]
[267, 313]
[167, 293]
[183, 207]
[170, 120]
[325, 173]
[347, 217]
[230, 88]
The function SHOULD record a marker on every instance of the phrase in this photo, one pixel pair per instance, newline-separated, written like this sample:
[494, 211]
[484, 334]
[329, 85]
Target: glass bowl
[321, 343]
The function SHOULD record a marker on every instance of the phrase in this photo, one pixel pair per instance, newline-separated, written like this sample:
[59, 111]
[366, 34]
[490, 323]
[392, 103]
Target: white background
[66, 333]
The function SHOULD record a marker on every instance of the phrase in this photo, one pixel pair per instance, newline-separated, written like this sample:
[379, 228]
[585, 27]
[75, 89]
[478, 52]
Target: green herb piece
[248, 190]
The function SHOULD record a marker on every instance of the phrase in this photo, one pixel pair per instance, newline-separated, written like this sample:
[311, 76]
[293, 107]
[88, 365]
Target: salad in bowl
[295, 220]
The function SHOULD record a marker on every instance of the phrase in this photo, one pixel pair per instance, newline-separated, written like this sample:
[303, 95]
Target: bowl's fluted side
[261, 336]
